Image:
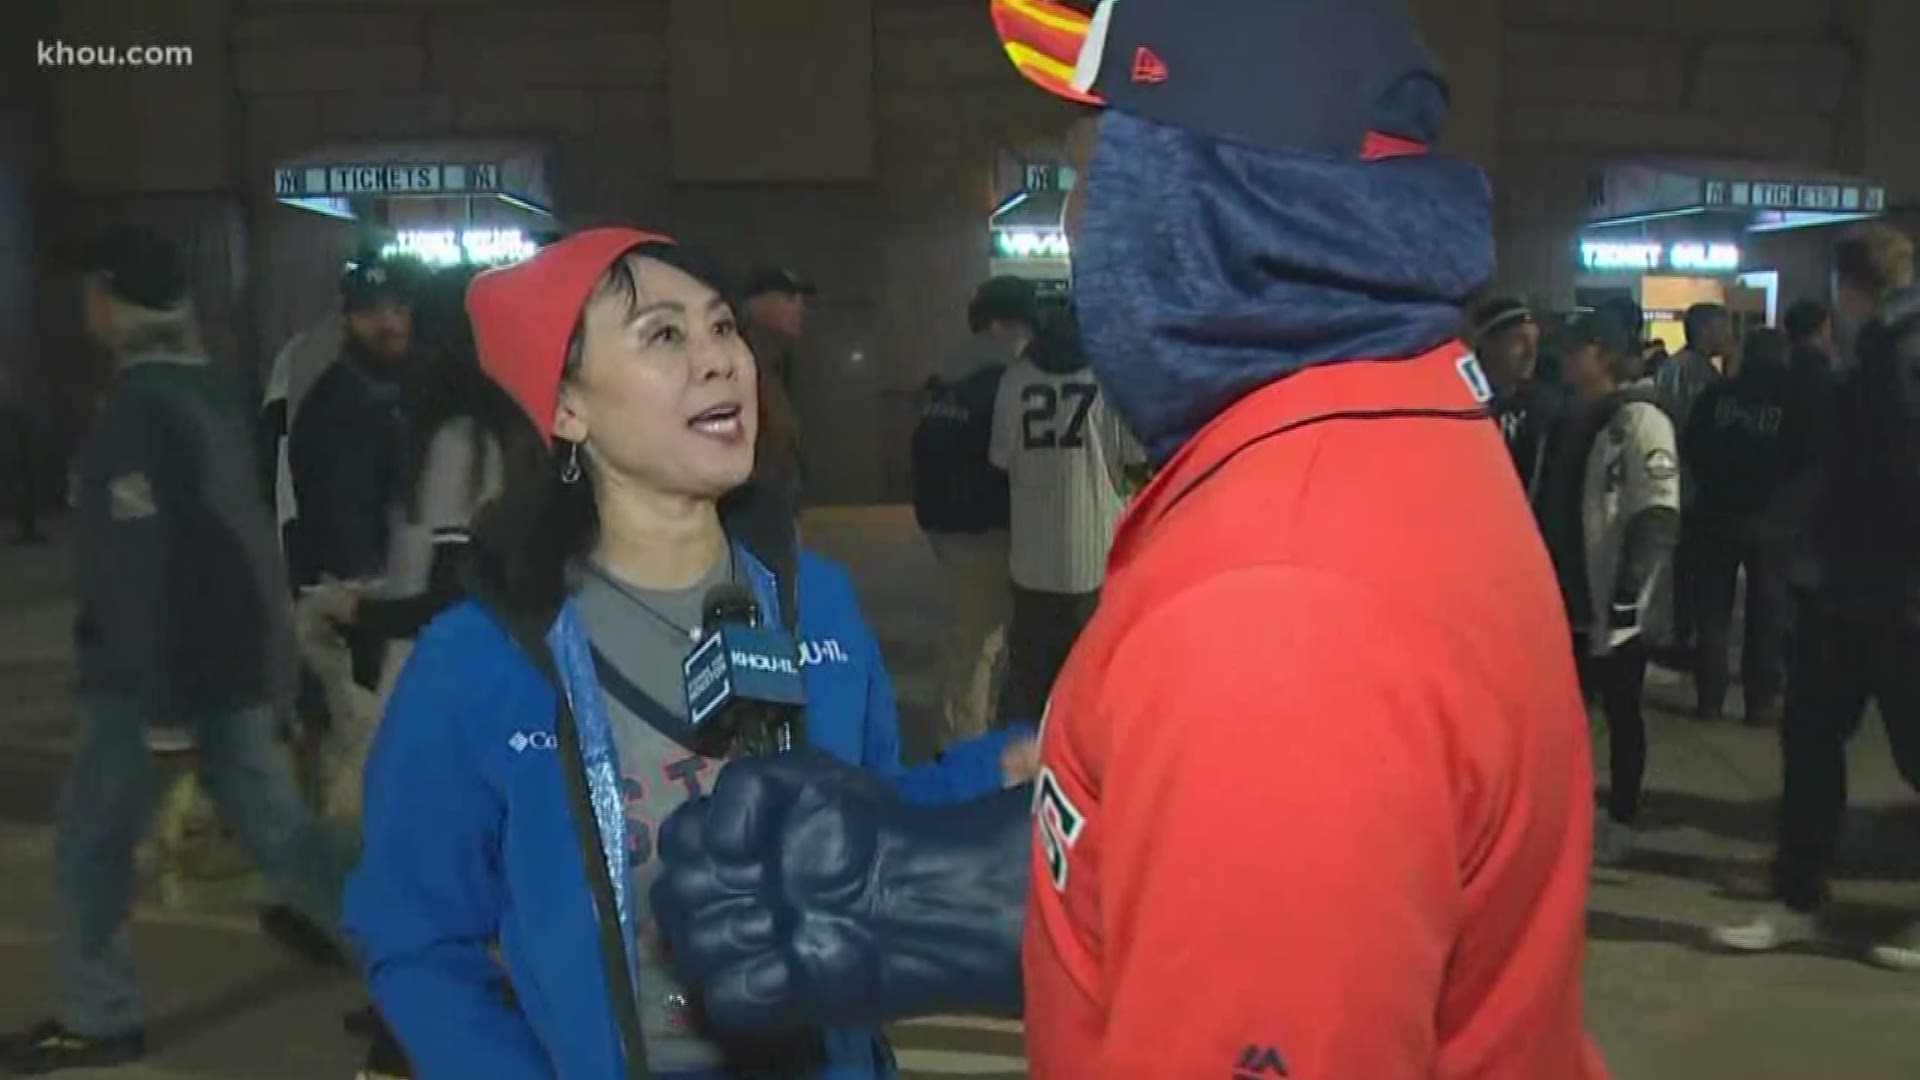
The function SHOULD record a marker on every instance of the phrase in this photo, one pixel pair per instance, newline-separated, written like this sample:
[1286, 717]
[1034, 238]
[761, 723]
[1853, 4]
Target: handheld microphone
[743, 680]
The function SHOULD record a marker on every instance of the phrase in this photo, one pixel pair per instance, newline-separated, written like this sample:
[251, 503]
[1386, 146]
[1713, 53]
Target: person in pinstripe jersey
[1047, 437]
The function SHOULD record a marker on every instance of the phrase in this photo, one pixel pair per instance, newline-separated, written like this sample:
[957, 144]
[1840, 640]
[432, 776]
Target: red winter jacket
[1317, 801]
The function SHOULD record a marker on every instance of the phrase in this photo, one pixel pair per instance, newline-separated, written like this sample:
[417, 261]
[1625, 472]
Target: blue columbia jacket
[469, 842]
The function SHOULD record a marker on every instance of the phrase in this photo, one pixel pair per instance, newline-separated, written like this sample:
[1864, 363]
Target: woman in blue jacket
[509, 831]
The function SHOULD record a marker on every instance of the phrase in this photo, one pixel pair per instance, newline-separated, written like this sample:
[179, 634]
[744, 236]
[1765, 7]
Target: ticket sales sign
[1699, 257]
[391, 179]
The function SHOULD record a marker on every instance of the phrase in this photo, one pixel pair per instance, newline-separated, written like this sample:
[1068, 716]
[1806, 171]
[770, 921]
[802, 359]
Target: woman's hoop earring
[570, 469]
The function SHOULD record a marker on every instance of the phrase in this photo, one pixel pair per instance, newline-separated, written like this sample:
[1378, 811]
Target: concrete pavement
[227, 1006]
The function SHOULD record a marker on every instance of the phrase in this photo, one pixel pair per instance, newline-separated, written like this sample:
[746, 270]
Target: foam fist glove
[804, 893]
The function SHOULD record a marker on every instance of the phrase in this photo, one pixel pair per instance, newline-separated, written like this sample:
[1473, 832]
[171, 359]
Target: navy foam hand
[804, 893]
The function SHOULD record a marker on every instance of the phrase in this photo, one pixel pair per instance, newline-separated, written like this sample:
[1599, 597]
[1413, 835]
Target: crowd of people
[1020, 474]
[437, 439]
[472, 542]
[1778, 458]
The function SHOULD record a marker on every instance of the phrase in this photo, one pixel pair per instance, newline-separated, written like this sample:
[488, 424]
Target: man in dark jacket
[1809, 327]
[1811, 370]
[182, 625]
[347, 446]
[960, 499]
[1506, 338]
[1859, 635]
[1749, 436]
[1681, 382]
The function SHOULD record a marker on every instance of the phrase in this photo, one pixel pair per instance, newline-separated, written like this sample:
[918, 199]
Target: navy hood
[1205, 268]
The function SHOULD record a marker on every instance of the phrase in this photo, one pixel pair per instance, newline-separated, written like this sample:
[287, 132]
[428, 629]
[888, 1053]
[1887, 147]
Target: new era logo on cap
[1318, 75]
[1148, 67]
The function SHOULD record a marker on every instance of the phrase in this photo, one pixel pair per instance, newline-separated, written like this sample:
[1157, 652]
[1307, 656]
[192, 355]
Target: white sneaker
[1900, 954]
[1774, 928]
[1612, 842]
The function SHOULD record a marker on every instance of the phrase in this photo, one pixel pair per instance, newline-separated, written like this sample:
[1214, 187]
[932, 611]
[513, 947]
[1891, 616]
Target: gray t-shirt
[629, 628]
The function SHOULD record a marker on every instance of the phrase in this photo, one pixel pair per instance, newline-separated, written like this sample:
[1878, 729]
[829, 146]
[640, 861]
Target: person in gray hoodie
[960, 499]
[183, 624]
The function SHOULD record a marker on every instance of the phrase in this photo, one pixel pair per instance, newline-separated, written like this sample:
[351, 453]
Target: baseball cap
[138, 266]
[1341, 77]
[1607, 328]
[1626, 311]
[524, 314]
[1005, 299]
[366, 281]
[762, 280]
[1497, 315]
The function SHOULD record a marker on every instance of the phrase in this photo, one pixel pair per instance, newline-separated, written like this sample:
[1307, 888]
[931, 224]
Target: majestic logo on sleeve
[1475, 377]
[1258, 1062]
[1059, 824]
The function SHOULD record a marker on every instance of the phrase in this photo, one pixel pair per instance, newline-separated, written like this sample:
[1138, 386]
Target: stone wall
[895, 257]
[1544, 91]
[1583, 83]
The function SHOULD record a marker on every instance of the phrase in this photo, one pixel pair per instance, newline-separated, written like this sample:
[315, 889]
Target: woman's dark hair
[540, 524]
[445, 383]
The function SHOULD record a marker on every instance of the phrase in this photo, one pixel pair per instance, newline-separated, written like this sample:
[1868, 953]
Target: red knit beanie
[524, 314]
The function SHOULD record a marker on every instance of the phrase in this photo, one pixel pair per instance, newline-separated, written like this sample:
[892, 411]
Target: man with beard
[1316, 795]
[346, 451]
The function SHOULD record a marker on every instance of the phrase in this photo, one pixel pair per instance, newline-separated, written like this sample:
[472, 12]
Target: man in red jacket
[1316, 797]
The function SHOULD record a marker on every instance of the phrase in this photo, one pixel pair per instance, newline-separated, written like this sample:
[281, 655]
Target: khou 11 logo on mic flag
[741, 663]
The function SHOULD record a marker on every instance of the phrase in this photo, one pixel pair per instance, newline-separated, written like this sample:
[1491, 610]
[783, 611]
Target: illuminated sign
[1611, 255]
[1713, 258]
[1788, 195]
[1031, 244]
[310, 181]
[1648, 255]
[445, 247]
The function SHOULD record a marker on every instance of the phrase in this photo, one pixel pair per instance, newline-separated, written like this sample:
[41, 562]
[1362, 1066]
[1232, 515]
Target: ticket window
[1669, 332]
[1673, 296]
[1755, 301]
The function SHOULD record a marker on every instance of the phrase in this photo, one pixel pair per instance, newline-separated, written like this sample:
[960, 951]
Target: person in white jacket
[1629, 523]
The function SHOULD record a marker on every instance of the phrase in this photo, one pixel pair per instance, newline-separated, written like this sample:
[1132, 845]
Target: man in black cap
[183, 625]
[1506, 339]
[1629, 521]
[346, 446]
